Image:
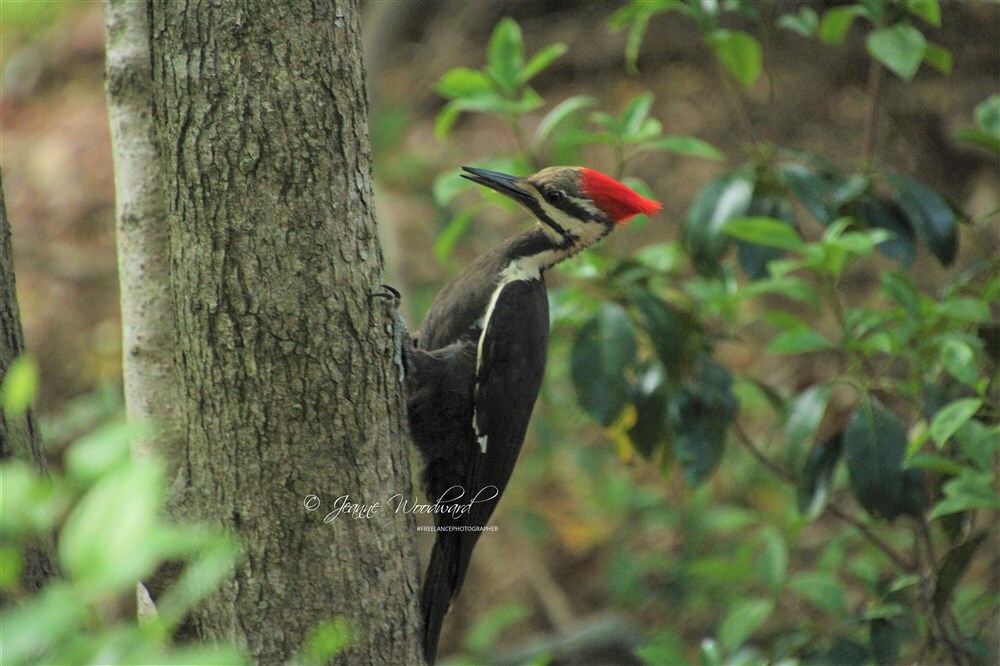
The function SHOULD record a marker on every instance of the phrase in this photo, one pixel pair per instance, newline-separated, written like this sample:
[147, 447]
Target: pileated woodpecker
[476, 363]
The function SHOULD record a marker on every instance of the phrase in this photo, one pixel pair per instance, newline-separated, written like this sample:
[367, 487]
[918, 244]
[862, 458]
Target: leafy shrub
[766, 247]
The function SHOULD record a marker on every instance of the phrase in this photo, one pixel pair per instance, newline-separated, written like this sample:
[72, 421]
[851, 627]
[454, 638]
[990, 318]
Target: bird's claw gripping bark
[400, 334]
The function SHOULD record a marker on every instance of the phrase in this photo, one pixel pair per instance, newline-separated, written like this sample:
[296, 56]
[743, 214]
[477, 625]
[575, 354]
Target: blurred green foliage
[104, 509]
[906, 486]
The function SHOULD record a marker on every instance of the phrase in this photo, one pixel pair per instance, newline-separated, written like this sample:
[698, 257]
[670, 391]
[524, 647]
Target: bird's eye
[554, 196]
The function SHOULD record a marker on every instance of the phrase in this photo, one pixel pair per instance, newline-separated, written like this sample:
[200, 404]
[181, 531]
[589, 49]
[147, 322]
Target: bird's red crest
[619, 202]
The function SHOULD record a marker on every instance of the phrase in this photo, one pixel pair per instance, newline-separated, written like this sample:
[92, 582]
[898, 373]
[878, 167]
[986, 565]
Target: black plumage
[475, 365]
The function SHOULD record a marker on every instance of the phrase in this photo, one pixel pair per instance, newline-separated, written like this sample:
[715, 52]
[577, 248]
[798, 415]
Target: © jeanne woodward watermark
[448, 503]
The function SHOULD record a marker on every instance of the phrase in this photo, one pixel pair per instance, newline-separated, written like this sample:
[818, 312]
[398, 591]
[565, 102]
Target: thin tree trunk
[19, 436]
[151, 391]
[284, 360]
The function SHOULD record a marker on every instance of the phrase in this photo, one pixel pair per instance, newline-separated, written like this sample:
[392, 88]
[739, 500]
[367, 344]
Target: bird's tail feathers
[436, 595]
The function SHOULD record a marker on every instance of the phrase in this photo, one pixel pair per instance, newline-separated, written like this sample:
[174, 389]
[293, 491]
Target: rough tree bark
[19, 437]
[284, 361]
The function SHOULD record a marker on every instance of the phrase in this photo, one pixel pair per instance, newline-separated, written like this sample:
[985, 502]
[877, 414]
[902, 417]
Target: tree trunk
[19, 435]
[288, 387]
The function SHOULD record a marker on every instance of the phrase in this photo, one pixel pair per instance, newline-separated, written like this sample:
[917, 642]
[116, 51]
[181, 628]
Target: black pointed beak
[503, 183]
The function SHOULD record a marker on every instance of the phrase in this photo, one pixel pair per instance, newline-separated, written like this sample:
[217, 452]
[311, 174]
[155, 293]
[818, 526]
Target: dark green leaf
[969, 491]
[953, 567]
[651, 430]
[505, 54]
[670, 331]
[721, 200]
[813, 188]
[816, 478]
[603, 351]
[836, 22]
[885, 641]
[540, 61]
[738, 52]
[929, 214]
[882, 214]
[700, 413]
[900, 47]
[874, 444]
[843, 652]
[559, 114]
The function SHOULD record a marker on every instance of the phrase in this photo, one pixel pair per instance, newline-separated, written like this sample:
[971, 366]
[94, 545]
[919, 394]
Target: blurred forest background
[595, 542]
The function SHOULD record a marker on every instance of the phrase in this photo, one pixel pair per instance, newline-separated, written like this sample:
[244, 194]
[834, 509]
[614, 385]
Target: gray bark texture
[19, 437]
[285, 362]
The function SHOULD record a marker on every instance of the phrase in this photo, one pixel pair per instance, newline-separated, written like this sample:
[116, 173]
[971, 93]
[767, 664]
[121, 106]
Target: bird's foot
[400, 334]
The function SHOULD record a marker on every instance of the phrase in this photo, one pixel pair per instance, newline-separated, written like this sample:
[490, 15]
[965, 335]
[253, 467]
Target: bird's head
[576, 206]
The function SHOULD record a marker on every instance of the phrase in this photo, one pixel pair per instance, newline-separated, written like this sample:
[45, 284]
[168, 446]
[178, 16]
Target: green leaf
[799, 342]
[100, 451]
[327, 640]
[559, 114]
[721, 200]
[822, 589]
[603, 351]
[19, 387]
[953, 417]
[665, 648]
[953, 566]
[806, 413]
[936, 463]
[540, 61]
[929, 214]
[988, 115]
[687, 146]
[669, 330]
[649, 396]
[446, 241]
[938, 57]
[463, 82]
[813, 188]
[700, 413]
[773, 558]
[885, 639]
[836, 22]
[874, 444]
[815, 482]
[445, 120]
[505, 55]
[738, 52]
[764, 231]
[980, 138]
[635, 113]
[927, 10]
[745, 617]
[108, 541]
[882, 214]
[805, 23]
[959, 359]
[971, 490]
[900, 47]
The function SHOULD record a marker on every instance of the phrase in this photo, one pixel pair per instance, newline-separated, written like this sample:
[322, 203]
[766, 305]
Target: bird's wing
[509, 369]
